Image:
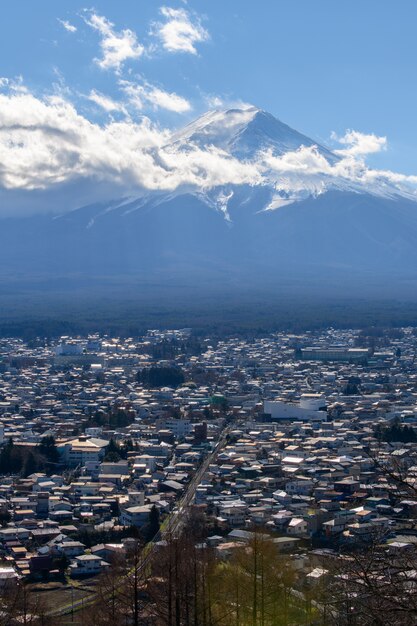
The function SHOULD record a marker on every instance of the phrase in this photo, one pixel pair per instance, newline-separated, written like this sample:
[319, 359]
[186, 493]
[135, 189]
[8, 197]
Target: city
[208, 313]
[307, 437]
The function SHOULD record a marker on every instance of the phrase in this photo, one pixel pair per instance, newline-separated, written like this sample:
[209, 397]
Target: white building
[86, 565]
[312, 406]
[179, 427]
[135, 515]
[68, 347]
[82, 450]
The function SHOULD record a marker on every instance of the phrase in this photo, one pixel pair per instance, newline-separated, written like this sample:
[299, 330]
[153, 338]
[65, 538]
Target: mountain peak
[217, 127]
[243, 132]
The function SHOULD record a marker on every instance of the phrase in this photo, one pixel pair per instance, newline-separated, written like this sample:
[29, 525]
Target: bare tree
[375, 585]
[120, 591]
[20, 605]
[107, 609]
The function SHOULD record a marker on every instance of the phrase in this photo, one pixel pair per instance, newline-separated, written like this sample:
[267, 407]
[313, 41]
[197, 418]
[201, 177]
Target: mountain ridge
[303, 222]
[229, 128]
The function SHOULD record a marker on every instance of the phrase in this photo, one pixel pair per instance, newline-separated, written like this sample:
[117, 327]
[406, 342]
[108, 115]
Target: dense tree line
[25, 460]
[396, 432]
[161, 377]
[352, 387]
[43, 316]
[116, 417]
[116, 452]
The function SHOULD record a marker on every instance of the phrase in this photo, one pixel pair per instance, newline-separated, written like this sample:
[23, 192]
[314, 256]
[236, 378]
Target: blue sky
[321, 66]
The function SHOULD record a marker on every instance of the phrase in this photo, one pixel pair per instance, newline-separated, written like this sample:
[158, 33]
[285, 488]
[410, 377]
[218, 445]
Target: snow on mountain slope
[291, 164]
[306, 209]
[209, 158]
[244, 133]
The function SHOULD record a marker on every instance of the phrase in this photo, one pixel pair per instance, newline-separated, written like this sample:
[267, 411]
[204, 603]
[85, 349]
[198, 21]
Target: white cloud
[68, 26]
[214, 101]
[116, 47]
[46, 144]
[306, 172]
[360, 144]
[105, 102]
[180, 32]
[13, 85]
[139, 95]
[169, 101]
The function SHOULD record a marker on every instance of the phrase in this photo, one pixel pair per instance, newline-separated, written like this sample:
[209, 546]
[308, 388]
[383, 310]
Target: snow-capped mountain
[244, 133]
[299, 209]
[292, 165]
